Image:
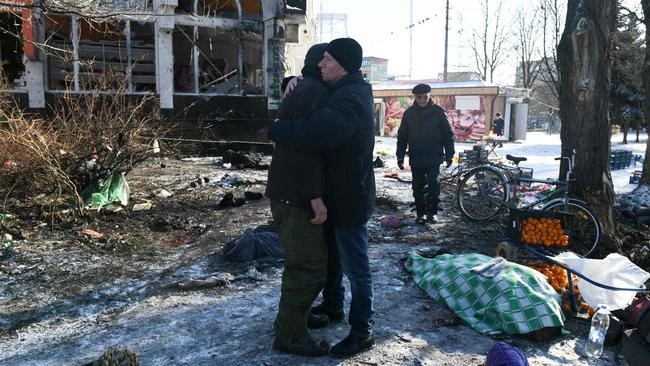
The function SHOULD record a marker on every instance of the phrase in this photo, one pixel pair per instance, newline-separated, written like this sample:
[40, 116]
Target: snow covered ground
[542, 149]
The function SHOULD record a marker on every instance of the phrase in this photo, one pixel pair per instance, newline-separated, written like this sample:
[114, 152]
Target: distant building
[374, 69]
[460, 76]
[543, 103]
[331, 26]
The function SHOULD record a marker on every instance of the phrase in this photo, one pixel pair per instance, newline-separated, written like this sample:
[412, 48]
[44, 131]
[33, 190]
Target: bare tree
[645, 175]
[552, 14]
[489, 42]
[527, 48]
[584, 56]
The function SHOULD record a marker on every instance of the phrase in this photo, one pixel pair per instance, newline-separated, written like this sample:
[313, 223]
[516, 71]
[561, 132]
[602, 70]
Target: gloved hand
[449, 163]
[400, 164]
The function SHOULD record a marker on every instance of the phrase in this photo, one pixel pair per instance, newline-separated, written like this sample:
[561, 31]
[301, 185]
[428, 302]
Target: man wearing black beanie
[343, 130]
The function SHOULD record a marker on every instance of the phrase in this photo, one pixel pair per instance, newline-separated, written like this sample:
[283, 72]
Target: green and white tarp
[517, 300]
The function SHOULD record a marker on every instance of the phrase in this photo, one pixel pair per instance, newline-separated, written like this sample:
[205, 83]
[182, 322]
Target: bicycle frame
[560, 194]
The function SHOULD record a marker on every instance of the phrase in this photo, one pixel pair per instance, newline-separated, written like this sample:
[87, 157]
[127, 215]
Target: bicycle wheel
[583, 227]
[482, 193]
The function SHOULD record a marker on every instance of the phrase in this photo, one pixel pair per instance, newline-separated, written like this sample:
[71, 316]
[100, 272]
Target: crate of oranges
[534, 227]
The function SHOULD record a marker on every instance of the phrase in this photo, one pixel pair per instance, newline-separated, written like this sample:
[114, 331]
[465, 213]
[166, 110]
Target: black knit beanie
[347, 52]
[312, 58]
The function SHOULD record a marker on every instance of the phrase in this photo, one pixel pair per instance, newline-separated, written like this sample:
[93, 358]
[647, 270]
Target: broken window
[183, 40]
[215, 53]
[12, 69]
[143, 57]
[218, 8]
[58, 51]
[126, 4]
[102, 55]
[218, 51]
[253, 71]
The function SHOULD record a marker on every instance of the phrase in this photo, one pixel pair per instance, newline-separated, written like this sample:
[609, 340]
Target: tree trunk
[625, 126]
[645, 175]
[585, 68]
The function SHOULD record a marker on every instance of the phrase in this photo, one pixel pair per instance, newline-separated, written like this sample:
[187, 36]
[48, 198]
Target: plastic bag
[112, 188]
[614, 270]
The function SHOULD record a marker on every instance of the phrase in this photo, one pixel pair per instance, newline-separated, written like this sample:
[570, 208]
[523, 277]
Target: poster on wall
[466, 114]
[395, 107]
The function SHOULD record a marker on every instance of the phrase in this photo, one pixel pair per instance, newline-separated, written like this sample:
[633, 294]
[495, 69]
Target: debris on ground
[116, 357]
[243, 160]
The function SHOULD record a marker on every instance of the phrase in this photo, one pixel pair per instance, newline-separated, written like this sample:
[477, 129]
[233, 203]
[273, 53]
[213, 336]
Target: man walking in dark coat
[498, 124]
[295, 187]
[343, 130]
[427, 133]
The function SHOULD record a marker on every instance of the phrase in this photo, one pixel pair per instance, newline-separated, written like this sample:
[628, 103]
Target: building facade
[182, 50]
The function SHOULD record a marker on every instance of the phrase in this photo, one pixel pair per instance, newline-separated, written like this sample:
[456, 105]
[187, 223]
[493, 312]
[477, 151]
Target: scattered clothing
[491, 268]
[242, 160]
[232, 180]
[390, 222]
[253, 244]
[378, 163]
[232, 200]
[251, 196]
[503, 354]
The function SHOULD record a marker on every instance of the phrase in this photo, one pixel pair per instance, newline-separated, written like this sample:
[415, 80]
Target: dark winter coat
[343, 130]
[428, 135]
[296, 177]
[497, 126]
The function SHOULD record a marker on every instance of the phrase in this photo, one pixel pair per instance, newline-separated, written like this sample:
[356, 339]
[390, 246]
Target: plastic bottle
[596, 339]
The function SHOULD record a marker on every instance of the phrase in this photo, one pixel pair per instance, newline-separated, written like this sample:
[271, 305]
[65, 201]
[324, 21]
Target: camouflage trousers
[305, 270]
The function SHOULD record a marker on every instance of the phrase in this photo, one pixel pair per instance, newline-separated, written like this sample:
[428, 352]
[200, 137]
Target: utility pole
[411, 41]
[444, 72]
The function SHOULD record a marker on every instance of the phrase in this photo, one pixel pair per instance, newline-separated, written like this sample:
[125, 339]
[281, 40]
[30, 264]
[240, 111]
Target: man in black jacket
[343, 130]
[430, 140]
[295, 187]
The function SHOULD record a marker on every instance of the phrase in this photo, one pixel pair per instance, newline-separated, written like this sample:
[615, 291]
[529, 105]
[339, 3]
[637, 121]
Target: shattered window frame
[239, 60]
[12, 72]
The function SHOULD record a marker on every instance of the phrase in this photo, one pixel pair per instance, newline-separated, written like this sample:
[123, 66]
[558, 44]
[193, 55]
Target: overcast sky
[381, 28]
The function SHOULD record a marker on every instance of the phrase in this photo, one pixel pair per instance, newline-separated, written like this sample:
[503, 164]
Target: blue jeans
[425, 183]
[348, 254]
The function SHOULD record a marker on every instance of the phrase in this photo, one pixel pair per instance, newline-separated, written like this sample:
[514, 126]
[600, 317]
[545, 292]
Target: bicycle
[468, 160]
[486, 190]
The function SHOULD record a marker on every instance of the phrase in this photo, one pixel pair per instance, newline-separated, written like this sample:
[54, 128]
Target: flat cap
[421, 89]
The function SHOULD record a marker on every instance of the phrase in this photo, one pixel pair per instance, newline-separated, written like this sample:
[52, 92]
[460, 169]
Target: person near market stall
[427, 134]
[498, 125]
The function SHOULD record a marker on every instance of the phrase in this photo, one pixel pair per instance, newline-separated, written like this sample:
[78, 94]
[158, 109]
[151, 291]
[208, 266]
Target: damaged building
[203, 59]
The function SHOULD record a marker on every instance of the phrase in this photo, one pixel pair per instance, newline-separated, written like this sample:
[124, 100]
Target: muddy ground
[66, 296]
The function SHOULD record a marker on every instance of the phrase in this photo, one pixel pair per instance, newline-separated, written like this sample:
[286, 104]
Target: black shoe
[352, 344]
[317, 321]
[311, 349]
[420, 220]
[333, 315]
